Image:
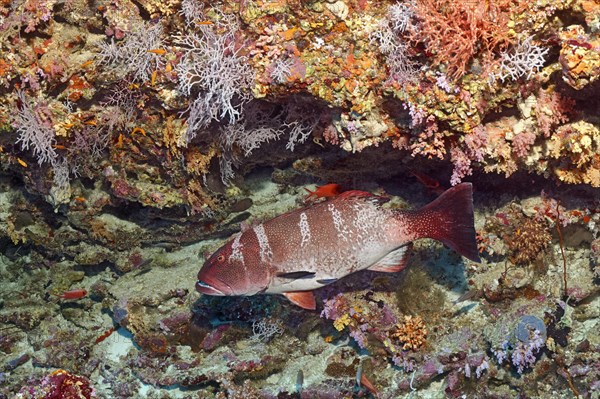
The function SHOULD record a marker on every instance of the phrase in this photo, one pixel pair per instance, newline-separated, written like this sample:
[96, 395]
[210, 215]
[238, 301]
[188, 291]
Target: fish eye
[221, 258]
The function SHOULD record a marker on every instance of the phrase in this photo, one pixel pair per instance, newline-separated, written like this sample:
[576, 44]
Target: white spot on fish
[236, 250]
[304, 229]
[338, 223]
[369, 226]
[266, 254]
[369, 222]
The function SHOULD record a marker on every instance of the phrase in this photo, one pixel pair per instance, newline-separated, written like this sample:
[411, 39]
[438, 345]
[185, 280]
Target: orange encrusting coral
[411, 333]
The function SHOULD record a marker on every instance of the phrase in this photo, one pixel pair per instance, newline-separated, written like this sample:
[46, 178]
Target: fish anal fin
[304, 299]
[326, 281]
[394, 261]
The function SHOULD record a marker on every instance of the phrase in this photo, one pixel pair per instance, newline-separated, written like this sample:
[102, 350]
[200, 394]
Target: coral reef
[59, 384]
[136, 136]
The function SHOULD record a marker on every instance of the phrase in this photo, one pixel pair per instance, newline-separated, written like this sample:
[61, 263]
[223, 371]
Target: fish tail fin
[449, 219]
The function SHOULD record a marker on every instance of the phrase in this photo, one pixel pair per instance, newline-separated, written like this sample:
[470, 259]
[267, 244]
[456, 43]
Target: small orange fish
[138, 130]
[158, 51]
[153, 78]
[81, 200]
[72, 294]
[59, 147]
[204, 22]
[21, 162]
[363, 381]
[429, 182]
[105, 335]
[326, 191]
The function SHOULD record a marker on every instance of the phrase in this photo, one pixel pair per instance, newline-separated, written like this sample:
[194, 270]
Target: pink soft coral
[551, 110]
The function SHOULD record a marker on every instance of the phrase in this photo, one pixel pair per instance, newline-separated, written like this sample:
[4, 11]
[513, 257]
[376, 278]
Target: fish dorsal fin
[304, 299]
[363, 195]
[394, 261]
[245, 226]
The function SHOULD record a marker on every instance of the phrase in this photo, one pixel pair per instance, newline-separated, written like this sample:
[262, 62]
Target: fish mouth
[208, 289]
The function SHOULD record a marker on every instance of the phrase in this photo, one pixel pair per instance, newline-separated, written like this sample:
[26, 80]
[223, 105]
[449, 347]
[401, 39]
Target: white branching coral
[523, 60]
[35, 133]
[214, 73]
[133, 55]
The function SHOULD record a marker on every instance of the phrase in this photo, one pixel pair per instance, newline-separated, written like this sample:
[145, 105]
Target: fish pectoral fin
[326, 281]
[296, 275]
[394, 261]
[304, 299]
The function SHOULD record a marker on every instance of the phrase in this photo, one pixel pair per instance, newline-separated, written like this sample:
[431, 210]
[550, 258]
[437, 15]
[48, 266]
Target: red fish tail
[449, 219]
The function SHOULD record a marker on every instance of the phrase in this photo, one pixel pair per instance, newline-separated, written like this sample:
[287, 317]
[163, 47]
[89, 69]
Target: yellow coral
[158, 7]
[342, 322]
[577, 146]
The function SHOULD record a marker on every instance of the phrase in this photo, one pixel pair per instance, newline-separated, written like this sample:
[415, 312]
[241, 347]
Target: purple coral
[360, 338]
[133, 54]
[213, 70]
[524, 354]
[396, 50]
[462, 165]
[522, 142]
[501, 353]
[400, 16]
[530, 337]
[481, 368]
[334, 308]
[34, 132]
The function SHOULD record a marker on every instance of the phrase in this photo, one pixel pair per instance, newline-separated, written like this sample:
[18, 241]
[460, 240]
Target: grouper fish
[308, 248]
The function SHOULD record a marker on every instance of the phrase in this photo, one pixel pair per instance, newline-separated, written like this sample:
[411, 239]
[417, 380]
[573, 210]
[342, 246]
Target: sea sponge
[527, 241]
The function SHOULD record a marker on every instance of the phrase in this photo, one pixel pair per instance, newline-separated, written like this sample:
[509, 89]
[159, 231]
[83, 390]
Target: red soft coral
[457, 31]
